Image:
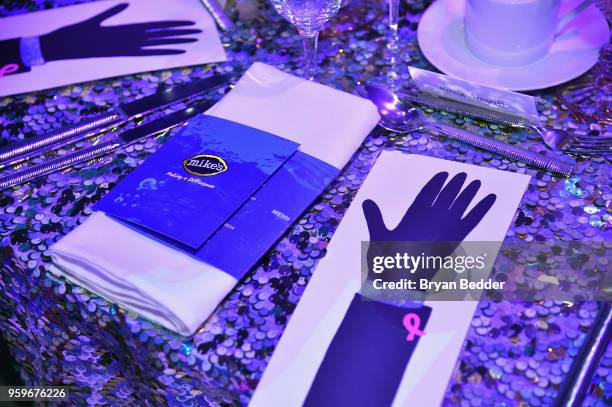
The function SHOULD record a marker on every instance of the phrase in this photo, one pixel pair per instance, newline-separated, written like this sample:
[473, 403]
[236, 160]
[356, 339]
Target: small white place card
[504, 101]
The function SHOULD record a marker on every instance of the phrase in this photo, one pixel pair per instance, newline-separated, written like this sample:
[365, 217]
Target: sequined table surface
[515, 354]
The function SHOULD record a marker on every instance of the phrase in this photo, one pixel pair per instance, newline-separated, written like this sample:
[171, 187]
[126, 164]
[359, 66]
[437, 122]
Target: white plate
[442, 39]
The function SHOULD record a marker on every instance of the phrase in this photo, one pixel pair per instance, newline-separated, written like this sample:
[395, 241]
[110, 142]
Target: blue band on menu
[197, 180]
[268, 214]
[367, 357]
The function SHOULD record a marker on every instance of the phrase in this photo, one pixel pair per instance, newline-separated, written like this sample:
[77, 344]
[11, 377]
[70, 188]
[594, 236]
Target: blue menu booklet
[220, 191]
[197, 180]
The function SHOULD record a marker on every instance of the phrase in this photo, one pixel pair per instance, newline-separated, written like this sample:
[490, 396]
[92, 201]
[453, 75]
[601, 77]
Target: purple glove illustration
[91, 39]
[436, 215]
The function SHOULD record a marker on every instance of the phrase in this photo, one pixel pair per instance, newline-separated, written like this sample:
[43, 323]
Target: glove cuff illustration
[30, 51]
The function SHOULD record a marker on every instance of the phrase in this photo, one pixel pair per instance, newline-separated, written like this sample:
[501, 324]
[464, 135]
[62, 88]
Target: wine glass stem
[310, 41]
[393, 23]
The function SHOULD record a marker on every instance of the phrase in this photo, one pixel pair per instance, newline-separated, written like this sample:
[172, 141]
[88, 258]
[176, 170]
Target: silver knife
[124, 138]
[37, 145]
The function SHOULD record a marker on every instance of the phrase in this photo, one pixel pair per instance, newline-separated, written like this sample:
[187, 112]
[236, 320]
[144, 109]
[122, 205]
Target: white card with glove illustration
[323, 311]
[103, 39]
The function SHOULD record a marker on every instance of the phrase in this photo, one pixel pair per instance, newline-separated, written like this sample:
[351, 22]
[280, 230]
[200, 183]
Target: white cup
[513, 32]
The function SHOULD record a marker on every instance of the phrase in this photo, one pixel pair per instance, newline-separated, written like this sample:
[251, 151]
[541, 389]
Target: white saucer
[442, 39]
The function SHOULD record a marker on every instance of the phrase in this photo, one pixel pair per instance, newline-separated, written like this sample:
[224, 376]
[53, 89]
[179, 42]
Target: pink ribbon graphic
[8, 69]
[412, 323]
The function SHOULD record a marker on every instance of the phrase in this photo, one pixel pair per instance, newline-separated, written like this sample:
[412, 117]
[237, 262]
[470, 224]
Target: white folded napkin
[170, 287]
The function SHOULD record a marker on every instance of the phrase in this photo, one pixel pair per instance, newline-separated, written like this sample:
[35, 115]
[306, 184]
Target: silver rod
[45, 142]
[56, 164]
[578, 379]
[544, 162]
[222, 20]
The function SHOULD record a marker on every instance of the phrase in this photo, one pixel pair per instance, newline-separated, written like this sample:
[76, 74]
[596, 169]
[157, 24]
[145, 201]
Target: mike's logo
[205, 165]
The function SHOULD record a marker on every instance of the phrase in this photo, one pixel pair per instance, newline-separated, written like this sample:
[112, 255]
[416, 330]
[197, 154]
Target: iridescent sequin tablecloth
[60, 334]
